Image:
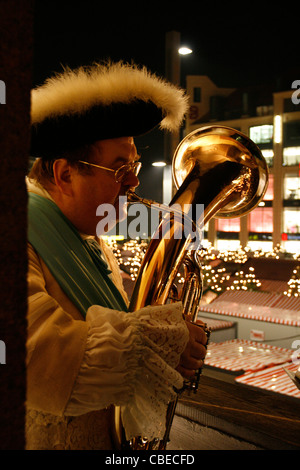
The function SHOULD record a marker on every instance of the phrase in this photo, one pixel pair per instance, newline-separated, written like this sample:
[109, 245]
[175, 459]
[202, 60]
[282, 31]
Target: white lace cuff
[129, 362]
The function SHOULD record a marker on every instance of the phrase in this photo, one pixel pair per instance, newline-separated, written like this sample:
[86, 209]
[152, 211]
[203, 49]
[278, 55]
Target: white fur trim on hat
[75, 91]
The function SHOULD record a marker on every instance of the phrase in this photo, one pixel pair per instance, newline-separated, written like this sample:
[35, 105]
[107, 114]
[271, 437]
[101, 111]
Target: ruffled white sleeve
[129, 362]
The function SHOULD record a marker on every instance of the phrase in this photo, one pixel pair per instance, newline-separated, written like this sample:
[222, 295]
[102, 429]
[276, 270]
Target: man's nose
[131, 180]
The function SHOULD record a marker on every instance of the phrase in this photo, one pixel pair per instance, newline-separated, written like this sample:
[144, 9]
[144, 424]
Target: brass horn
[225, 171]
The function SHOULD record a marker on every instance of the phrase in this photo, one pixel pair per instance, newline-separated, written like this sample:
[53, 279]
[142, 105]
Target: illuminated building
[272, 120]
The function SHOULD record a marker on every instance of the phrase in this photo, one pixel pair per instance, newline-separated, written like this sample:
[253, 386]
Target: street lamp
[159, 164]
[174, 50]
[184, 50]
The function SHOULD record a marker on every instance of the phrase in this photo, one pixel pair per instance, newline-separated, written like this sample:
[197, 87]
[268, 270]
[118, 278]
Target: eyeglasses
[122, 172]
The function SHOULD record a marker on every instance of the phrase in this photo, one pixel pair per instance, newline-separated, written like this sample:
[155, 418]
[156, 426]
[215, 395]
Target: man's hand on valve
[195, 351]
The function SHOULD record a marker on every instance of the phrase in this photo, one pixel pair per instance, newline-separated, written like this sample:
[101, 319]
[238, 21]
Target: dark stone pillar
[16, 39]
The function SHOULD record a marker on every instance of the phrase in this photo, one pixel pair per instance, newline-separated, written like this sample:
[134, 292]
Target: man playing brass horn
[86, 353]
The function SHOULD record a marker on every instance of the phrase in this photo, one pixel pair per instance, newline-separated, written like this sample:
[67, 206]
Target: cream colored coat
[57, 333]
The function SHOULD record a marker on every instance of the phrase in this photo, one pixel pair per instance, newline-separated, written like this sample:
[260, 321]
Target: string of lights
[294, 284]
[218, 278]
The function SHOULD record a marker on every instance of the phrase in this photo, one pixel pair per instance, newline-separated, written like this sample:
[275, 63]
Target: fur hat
[82, 106]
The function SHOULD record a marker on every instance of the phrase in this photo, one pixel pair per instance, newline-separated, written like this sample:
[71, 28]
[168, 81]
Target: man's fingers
[197, 332]
[194, 350]
[192, 357]
[188, 372]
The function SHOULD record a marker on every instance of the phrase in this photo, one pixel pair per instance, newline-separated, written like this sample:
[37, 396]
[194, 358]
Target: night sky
[235, 43]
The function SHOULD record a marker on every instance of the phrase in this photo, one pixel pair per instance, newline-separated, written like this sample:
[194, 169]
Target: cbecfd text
[2, 352]
[2, 92]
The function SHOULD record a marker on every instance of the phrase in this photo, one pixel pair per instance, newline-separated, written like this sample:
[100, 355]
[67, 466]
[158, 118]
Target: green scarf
[77, 267]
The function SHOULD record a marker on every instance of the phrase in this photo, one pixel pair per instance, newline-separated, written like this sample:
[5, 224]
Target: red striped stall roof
[244, 355]
[271, 307]
[216, 324]
[261, 364]
[273, 286]
[274, 379]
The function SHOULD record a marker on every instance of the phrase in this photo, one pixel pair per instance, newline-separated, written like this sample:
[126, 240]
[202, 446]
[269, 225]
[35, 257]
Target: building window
[291, 246]
[291, 134]
[269, 156]
[291, 222]
[264, 246]
[197, 95]
[261, 220]
[269, 196]
[228, 229]
[261, 135]
[228, 225]
[291, 188]
[227, 245]
[291, 156]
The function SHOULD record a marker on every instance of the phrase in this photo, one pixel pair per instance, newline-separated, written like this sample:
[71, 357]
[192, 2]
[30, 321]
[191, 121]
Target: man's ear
[62, 172]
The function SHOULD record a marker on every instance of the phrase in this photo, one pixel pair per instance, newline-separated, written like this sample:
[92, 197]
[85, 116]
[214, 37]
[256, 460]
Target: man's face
[100, 187]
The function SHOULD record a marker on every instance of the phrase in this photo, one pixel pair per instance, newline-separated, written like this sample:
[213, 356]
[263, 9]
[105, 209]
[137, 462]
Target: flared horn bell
[228, 164]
